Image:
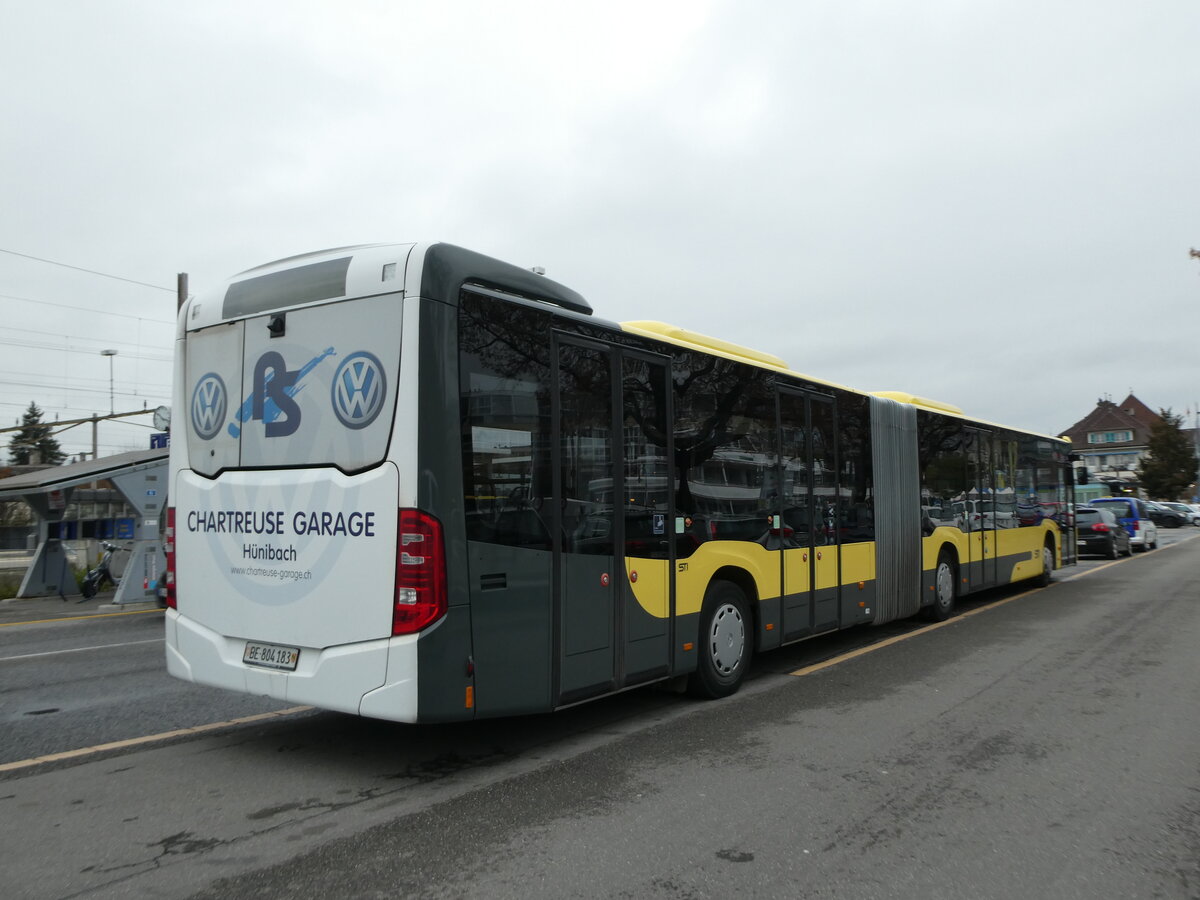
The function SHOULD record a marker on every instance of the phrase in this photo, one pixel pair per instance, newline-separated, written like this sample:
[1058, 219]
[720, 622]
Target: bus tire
[1047, 565]
[726, 642]
[945, 589]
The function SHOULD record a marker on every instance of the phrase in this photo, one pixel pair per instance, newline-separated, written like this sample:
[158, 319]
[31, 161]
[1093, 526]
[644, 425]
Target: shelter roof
[58, 477]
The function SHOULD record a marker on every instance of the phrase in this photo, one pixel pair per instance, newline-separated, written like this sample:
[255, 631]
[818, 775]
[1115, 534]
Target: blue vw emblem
[209, 400]
[359, 389]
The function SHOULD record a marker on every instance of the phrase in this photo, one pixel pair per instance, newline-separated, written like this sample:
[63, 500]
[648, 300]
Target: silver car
[1189, 513]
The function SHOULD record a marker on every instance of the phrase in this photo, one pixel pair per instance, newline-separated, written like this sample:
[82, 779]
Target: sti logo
[359, 389]
[274, 387]
[272, 394]
[209, 401]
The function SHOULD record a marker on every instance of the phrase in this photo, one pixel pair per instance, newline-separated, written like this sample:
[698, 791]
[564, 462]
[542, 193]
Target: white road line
[79, 649]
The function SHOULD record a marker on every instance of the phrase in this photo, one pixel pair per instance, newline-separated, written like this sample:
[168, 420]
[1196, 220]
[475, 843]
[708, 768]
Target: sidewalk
[38, 609]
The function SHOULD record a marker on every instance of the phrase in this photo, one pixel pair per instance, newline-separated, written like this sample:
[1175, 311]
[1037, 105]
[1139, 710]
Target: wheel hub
[945, 584]
[728, 639]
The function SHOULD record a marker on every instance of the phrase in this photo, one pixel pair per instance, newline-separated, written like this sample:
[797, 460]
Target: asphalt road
[1045, 744]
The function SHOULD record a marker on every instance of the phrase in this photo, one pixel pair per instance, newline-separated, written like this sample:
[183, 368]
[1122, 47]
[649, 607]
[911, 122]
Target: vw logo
[359, 390]
[209, 400]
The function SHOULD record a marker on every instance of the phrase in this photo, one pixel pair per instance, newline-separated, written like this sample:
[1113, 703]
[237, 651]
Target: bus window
[505, 415]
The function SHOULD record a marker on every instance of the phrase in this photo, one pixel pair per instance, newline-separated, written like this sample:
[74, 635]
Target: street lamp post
[110, 354]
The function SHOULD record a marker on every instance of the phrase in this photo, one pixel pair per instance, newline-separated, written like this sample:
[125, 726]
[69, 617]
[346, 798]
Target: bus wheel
[725, 642]
[1047, 566]
[945, 592]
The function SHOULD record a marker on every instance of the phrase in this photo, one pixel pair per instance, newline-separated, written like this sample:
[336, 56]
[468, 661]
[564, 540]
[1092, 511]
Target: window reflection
[505, 414]
[942, 452]
[1040, 485]
[973, 480]
[856, 493]
[737, 474]
[727, 482]
[794, 441]
[648, 524]
[585, 434]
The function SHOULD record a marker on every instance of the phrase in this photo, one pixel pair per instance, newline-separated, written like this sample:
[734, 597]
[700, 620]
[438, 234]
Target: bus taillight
[169, 552]
[420, 573]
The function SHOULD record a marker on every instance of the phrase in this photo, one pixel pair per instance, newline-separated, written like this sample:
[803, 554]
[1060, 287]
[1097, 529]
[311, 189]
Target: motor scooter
[93, 581]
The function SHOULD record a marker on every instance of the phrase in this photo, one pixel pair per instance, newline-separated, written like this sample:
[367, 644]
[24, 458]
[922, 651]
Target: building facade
[1111, 441]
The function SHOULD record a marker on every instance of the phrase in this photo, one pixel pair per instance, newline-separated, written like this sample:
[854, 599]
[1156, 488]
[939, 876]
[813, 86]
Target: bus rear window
[291, 287]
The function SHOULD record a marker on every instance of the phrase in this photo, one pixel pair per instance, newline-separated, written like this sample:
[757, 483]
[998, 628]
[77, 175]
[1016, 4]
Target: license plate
[270, 656]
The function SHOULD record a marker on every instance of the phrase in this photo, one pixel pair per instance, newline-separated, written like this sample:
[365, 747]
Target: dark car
[1098, 531]
[1164, 516]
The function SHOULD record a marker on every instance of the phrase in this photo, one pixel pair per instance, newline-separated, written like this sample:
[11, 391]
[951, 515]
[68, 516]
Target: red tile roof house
[1112, 439]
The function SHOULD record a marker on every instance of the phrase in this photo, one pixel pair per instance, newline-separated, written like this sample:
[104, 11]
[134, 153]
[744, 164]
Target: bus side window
[504, 406]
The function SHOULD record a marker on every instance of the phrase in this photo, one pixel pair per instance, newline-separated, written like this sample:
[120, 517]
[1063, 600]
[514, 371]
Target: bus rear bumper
[370, 678]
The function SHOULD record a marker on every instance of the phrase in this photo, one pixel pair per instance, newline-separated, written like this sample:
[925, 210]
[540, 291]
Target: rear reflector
[169, 552]
[420, 573]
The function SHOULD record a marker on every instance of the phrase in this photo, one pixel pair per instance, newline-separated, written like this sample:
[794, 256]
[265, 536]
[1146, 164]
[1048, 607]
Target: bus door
[1066, 513]
[614, 551]
[811, 532]
[981, 510]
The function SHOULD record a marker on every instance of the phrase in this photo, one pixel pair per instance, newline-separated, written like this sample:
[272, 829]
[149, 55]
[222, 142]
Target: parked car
[1189, 513]
[1164, 517]
[1099, 531]
[1133, 514]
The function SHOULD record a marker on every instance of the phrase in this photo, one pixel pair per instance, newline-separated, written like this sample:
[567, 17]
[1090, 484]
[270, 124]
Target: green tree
[1171, 465]
[34, 438]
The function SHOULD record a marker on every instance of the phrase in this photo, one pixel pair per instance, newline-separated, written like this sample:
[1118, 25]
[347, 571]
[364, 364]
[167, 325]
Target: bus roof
[682, 337]
[436, 271]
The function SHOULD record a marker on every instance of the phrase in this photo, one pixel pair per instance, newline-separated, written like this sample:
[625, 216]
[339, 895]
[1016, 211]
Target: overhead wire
[156, 359]
[157, 287]
[88, 309]
[130, 354]
[129, 349]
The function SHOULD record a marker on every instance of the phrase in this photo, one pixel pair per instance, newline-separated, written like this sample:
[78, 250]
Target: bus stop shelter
[140, 477]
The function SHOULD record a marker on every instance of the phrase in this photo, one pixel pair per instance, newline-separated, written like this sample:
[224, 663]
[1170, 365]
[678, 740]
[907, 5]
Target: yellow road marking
[833, 661]
[148, 739]
[862, 651]
[1099, 568]
[130, 612]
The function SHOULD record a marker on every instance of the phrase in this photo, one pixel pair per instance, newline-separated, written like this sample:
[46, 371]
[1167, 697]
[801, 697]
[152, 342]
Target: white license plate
[271, 656]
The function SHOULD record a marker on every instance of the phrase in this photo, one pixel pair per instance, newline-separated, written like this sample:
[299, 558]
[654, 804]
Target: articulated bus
[420, 484]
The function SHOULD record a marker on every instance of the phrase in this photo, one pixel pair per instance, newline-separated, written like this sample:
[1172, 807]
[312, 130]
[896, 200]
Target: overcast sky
[985, 203]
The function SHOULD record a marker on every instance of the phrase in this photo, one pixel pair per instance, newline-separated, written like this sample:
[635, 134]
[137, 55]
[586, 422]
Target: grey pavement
[35, 609]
